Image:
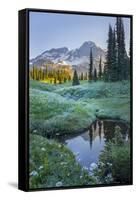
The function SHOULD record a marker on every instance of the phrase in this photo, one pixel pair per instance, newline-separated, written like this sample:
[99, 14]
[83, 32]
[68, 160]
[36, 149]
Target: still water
[88, 145]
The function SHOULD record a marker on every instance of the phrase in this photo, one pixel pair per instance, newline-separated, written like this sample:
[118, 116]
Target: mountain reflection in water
[88, 145]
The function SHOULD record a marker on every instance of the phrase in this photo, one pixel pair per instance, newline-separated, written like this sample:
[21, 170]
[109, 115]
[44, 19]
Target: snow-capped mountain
[78, 58]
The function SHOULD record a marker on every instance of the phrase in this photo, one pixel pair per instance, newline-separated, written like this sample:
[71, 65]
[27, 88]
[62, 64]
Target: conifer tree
[113, 66]
[100, 69]
[95, 75]
[55, 80]
[107, 66]
[128, 60]
[121, 51]
[90, 66]
[75, 79]
[82, 76]
[86, 76]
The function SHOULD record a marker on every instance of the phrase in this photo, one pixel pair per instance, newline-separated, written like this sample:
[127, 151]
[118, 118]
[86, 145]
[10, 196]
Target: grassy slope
[67, 109]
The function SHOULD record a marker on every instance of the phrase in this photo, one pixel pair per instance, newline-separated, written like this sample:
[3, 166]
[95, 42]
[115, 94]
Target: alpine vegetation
[79, 102]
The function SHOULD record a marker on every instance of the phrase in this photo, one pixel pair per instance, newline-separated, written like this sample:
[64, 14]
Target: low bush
[114, 163]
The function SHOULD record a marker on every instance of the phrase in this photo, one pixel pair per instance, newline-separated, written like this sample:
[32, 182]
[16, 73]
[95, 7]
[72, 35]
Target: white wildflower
[59, 184]
[41, 167]
[63, 163]
[109, 178]
[59, 145]
[85, 168]
[43, 149]
[93, 166]
[91, 173]
[34, 173]
[34, 131]
[110, 164]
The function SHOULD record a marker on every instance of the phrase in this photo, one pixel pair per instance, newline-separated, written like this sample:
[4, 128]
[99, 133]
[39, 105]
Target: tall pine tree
[100, 69]
[107, 67]
[95, 75]
[75, 79]
[121, 51]
[111, 65]
[113, 70]
[90, 76]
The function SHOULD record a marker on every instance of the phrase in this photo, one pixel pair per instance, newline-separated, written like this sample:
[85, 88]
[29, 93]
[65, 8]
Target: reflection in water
[88, 145]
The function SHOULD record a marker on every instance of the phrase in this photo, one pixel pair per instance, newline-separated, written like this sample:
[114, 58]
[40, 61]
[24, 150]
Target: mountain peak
[88, 43]
[58, 50]
[75, 57]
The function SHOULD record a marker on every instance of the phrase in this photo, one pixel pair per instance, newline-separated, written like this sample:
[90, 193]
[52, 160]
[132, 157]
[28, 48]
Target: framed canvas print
[75, 99]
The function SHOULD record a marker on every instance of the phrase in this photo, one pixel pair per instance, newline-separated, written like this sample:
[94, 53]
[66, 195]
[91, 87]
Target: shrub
[114, 162]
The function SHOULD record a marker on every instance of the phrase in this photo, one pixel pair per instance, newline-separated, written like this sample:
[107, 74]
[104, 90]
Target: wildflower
[43, 149]
[93, 166]
[34, 131]
[59, 184]
[110, 164]
[34, 173]
[41, 167]
[62, 163]
[85, 168]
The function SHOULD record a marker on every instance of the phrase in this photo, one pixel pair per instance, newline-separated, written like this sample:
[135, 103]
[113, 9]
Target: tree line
[92, 75]
[51, 76]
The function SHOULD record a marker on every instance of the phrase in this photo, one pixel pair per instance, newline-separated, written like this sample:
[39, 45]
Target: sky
[51, 30]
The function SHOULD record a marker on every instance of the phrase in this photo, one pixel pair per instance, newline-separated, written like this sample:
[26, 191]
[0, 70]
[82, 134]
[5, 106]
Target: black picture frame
[23, 136]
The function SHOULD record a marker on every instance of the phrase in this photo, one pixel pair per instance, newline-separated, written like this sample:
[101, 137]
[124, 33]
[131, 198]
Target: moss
[53, 165]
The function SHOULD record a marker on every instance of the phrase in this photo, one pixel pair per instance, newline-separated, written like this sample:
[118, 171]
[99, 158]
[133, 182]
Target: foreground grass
[65, 109]
[53, 165]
